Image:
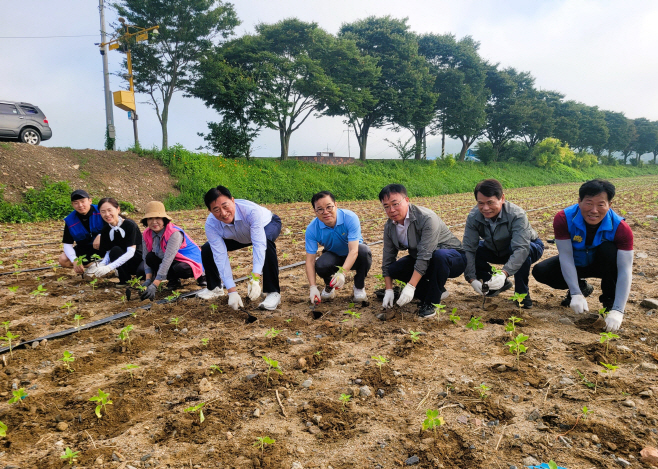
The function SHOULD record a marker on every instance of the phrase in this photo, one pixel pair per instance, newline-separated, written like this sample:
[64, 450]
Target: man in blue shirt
[235, 224]
[339, 232]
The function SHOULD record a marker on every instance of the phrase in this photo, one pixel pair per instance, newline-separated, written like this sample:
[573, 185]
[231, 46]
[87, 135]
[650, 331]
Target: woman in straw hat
[168, 251]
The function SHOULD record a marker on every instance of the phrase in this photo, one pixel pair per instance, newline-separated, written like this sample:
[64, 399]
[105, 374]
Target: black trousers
[604, 267]
[177, 269]
[484, 255]
[444, 264]
[270, 267]
[327, 265]
[134, 266]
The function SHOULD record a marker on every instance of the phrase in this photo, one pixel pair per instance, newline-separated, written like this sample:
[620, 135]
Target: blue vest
[584, 255]
[78, 230]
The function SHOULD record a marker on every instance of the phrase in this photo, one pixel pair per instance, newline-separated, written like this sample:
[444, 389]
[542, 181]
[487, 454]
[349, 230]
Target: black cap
[79, 194]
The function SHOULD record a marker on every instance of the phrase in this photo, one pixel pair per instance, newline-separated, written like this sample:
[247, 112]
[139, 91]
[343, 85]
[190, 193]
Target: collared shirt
[402, 229]
[494, 221]
[248, 227]
[346, 229]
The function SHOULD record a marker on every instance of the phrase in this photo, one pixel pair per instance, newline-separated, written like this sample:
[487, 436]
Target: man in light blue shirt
[235, 224]
[339, 232]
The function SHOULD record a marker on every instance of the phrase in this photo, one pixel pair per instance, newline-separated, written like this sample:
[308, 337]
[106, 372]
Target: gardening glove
[407, 295]
[102, 271]
[314, 295]
[234, 300]
[147, 282]
[149, 293]
[337, 280]
[389, 296]
[579, 304]
[253, 289]
[613, 320]
[497, 281]
[477, 286]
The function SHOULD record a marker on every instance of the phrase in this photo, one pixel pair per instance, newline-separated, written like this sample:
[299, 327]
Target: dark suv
[23, 121]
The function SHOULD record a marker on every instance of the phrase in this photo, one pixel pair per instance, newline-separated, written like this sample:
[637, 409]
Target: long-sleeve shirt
[173, 245]
[248, 227]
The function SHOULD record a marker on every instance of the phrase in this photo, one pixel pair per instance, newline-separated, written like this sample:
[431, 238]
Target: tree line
[375, 72]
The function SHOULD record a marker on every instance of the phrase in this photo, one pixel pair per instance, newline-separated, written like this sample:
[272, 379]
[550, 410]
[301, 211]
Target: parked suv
[23, 121]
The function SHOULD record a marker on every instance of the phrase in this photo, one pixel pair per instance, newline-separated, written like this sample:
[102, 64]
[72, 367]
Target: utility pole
[349, 152]
[109, 114]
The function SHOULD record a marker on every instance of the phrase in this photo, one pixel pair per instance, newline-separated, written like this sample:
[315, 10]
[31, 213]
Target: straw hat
[155, 210]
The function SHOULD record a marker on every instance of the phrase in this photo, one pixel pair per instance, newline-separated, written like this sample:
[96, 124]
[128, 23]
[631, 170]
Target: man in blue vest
[82, 229]
[592, 242]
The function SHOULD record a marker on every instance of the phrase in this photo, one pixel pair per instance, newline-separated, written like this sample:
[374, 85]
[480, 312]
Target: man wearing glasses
[339, 232]
[435, 254]
[234, 224]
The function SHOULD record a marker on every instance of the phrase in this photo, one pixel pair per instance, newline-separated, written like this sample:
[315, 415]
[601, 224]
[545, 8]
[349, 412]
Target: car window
[8, 109]
[29, 110]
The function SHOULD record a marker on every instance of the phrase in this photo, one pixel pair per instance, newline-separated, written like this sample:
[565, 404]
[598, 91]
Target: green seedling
[272, 365]
[60, 279]
[174, 296]
[205, 341]
[129, 368]
[135, 283]
[103, 400]
[3, 430]
[13, 289]
[175, 322]
[585, 381]
[415, 336]
[77, 318]
[9, 337]
[518, 298]
[272, 333]
[6, 324]
[381, 283]
[214, 368]
[475, 323]
[67, 305]
[39, 292]
[195, 408]
[608, 368]
[438, 309]
[355, 315]
[69, 455]
[160, 286]
[552, 464]
[603, 312]
[380, 361]
[585, 412]
[213, 309]
[495, 270]
[606, 337]
[433, 421]
[68, 358]
[124, 334]
[453, 316]
[254, 277]
[261, 441]
[482, 389]
[93, 284]
[318, 353]
[123, 299]
[288, 320]
[516, 345]
[511, 325]
[344, 398]
[18, 396]
[96, 258]
[80, 260]
[400, 283]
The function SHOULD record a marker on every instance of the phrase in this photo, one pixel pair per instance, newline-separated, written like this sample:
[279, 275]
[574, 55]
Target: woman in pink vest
[168, 252]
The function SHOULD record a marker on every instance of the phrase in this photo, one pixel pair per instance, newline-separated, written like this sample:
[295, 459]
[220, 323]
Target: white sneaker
[360, 294]
[328, 295]
[271, 301]
[206, 294]
[445, 295]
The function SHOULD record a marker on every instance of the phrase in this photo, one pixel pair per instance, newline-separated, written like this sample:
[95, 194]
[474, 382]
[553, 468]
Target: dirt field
[530, 410]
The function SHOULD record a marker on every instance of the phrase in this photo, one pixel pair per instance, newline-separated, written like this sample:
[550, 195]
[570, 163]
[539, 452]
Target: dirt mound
[120, 174]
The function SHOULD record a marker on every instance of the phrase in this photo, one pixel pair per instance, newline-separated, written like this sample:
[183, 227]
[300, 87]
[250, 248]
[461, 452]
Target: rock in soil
[649, 455]
[365, 391]
[628, 403]
[205, 385]
[412, 460]
[650, 303]
[530, 461]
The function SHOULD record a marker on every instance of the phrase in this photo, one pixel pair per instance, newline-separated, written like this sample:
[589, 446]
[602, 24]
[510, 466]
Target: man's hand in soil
[579, 304]
[337, 281]
[389, 296]
[149, 293]
[613, 320]
[314, 295]
[79, 269]
[102, 271]
[407, 294]
[234, 300]
[497, 281]
[477, 286]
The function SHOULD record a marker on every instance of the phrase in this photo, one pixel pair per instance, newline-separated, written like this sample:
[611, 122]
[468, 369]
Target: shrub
[550, 152]
[584, 160]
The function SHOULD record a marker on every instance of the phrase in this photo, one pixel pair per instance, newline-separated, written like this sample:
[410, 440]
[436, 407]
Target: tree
[566, 114]
[539, 122]
[630, 146]
[647, 138]
[592, 129]
[187, 29]
[620, 132]
[655, 148]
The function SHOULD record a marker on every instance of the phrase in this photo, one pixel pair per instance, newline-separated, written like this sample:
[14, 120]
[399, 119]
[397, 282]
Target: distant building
[325, 153]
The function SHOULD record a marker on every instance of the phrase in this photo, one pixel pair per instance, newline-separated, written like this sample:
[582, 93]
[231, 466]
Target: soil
[150, 422]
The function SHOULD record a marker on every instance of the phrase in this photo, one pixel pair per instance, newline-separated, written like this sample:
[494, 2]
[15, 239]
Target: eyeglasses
[328, 209]
[388, 208]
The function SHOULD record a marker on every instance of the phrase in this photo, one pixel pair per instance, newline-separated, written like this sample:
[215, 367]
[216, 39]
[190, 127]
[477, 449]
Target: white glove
[102, 271]
[253, 289]
[477, 286]
[613, 320]
[314, 295]
[497, 281]
[337, 280]
[578, 304]
[234, 300]
[389, 296]
[90, 270]
[407, 295]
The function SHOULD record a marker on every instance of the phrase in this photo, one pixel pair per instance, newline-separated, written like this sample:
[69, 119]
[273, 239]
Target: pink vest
[189, 252]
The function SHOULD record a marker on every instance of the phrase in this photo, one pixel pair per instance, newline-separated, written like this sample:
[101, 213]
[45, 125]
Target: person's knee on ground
[115, 253]
[64, 261]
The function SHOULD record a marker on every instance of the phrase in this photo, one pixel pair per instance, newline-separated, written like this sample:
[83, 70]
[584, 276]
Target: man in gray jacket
[435, 254]
[499, 232]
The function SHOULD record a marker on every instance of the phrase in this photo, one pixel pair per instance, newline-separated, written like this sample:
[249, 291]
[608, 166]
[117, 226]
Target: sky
[600, 52]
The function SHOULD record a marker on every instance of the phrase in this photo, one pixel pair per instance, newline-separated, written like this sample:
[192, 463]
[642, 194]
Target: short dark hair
[214, 193]
[595, 187]
[165, 222]
[392, 189]
[322, 195]
[489, 188]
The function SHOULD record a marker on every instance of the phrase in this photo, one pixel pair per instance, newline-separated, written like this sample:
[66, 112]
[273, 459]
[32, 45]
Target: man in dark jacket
[499, 232]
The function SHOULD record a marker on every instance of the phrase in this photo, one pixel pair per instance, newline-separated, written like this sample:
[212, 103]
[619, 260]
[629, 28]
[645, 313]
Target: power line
[44, 37]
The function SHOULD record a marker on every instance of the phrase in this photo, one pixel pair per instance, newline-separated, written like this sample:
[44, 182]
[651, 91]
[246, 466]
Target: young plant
[272, 365]
[6, 324]
[123, 299]
[438, 309]
[380, 361]
[96, 258]
[400, 283]
[453, 316]
[135, 283]
[261, 441]
[205, 341]
[495, 270]
[213, 309]
[344, 398]
[355, 315]
[475, 323]
[103, 400]
[68, 358]
[381, 283]
[518, 298]
[93, 284]
[3, 430]
[67, 305]
[129, 368]
[516, 345]
[552, 464]
[124, 334]
[195, 408]
[69, 455]
[19, 395]
[511, 325]
[9, 337]
[214, 368]
[585, 412]
[608, 368]
[39, 292]
[77, 318]
[13, 289]
[175, 322]
[174, 296]
[272, 333]
[433, 421]
[80, 260]
[415, 336]
[585, 381]
[482, 389]
[603, 312]
[606, 337]
[289, 320]
[60, 279]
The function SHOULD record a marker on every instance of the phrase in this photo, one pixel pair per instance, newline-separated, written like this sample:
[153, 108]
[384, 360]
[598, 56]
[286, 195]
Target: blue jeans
[484, 255]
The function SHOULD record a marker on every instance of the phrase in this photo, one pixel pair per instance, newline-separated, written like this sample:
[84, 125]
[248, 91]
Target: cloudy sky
[600, 52]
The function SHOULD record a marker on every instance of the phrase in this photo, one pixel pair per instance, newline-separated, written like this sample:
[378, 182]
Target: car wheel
[30, 136]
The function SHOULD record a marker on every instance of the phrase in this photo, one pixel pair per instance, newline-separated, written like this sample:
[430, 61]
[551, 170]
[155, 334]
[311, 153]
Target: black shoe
[585, 288]
[201, 281]
[426, 311]
[505, 287]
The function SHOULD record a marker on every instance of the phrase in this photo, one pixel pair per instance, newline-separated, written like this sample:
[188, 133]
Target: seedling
[400, 283]
[214, 368]
[606, 337]
[415, 336]
[135, 283]
[13, 289]
[483, 391]
[272, 365]
[213, 309]
[381, 283]
[433, 421]
[67, 305]
[261, 441]
[344, 398]
[552, 464]
[603, 312]
[69, 455]
[80, 260]
[96, 258]
[174, 296]
[318, 353]
[123, 299]
[355, 315]
[495, 270]
[272, 333]
[585, 381]
[60, 279]
[608, 368]
[516, 345]
[5, 324]
[175, 322]
[39, 292]
[205, 341]
[68, 358]
[77, 318]
[453, 316]
[585, 412]
[518, 298]
[129, 368]
[19, 395]
[475, 323]
[195, 408]
[438, 309]
[124, 334]
[9, 337]
[3, 429]
[103, 400]
[288, 320]
[380, 361]
[511, 325]
[285, 255]
[93, 284]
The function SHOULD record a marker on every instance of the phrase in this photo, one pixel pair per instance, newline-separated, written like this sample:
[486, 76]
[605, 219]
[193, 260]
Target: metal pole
[132, 89]
[109, 115]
